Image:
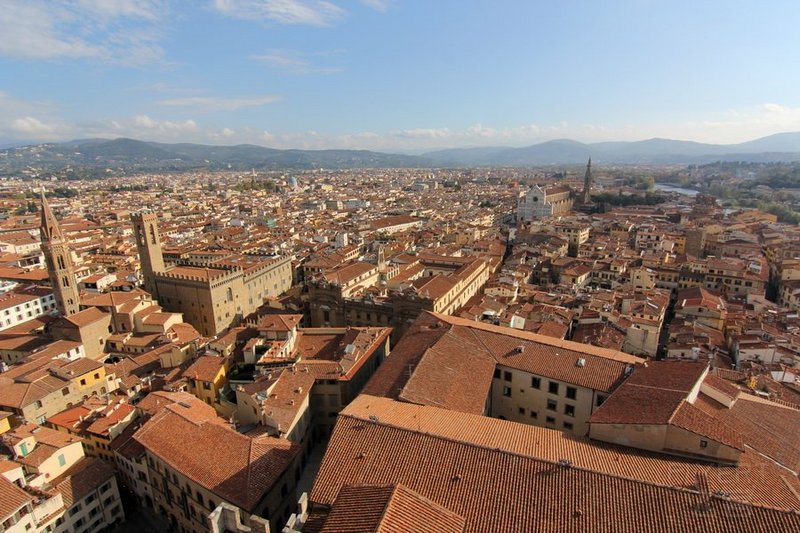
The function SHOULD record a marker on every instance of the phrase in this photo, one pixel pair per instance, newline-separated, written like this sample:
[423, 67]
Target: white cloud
[12, 107]
[120, 31]
[424, 133]
[310, 12]
[31, 30]
[168, 88]
[110, 9]
[733, 125]
[142, 127]
[377, 5]
[297, 62]
[22, 120]
[31, 127]
[215, 103]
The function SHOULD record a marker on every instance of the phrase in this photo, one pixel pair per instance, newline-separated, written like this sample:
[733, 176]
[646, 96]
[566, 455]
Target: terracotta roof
[723, 386]
[692, 419]
[240, 472]
[449, 362]
[313, 345]
[12, 498]
[81, 479]
[441, 375]
[490, 471]
[205, 368]
[286, 397]
[765, 426]
[155, 401]
[388, 508]
[86, 317]
[651, 395]
[346, 273]
[278, 322]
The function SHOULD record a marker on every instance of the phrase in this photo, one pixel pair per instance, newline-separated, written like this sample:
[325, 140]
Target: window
[572, 393]
[534, 415]
[506, 376]
[536, 383]
[506, 391]
[552, 387]
[521, 410]
[550, 420]
[37, 404]
[704, 444]
[600, 400]
[568, 426]
[83, 382]
[61, 460]
[97, 375]
[569, 410]
[552, 405]
[496, 373]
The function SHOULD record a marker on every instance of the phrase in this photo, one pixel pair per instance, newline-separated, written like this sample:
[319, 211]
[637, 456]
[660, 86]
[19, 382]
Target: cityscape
[211, 321]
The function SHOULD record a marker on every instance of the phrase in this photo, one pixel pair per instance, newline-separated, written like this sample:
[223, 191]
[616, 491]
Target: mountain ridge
[779, 147]
[135, 155]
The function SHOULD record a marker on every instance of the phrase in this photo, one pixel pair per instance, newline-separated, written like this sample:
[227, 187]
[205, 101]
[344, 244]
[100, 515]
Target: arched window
[61, 262]
[152, 234]
[230, 294]
[65, 281]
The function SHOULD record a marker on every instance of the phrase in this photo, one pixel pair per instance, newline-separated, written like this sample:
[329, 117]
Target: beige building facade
[212, 295]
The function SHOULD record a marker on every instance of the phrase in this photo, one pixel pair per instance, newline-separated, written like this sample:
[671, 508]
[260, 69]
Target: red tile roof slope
[767, 427]
[241, 472]
[12, 498]
[448, 361]
[388, 509]
[476, 466]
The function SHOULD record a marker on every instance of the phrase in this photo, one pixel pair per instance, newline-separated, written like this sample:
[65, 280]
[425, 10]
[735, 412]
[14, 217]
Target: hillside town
[394, 350]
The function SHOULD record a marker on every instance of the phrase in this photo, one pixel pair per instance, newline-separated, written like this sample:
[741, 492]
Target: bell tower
[587, 184]
[148, 244]
[58, 258]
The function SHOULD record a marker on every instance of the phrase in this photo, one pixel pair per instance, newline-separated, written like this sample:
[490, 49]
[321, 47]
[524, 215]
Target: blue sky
[397, 75]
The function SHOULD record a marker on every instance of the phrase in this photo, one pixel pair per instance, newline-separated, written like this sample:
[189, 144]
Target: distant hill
[130, 154]
[467, 156]
[779, 147]
[557, 152]
[94, 156]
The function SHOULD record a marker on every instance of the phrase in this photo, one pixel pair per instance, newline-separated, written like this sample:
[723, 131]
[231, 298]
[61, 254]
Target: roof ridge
[389, 501]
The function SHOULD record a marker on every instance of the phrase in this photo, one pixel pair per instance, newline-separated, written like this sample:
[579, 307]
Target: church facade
[539, 202]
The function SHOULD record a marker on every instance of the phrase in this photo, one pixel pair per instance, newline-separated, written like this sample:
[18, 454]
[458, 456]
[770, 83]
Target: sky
[398, 75]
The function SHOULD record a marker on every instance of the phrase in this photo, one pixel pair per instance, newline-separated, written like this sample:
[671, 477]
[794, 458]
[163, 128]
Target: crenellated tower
[58, 258]
[148, 244]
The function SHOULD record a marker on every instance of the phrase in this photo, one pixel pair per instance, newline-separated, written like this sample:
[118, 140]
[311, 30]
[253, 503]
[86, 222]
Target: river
[671, 188]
